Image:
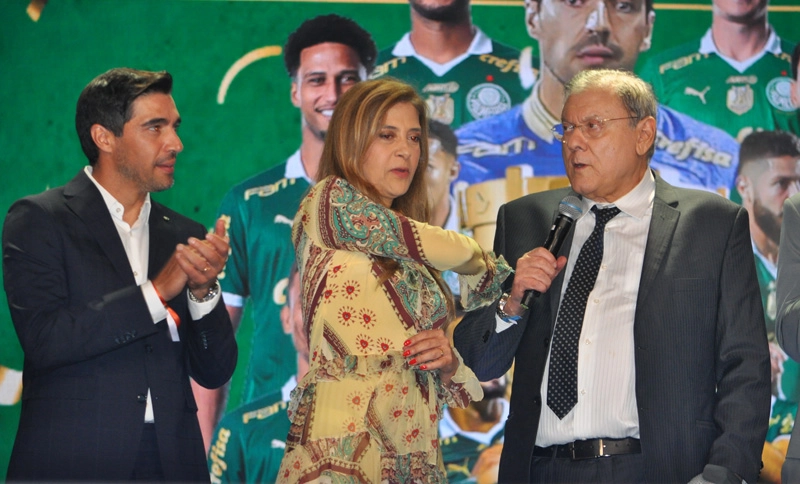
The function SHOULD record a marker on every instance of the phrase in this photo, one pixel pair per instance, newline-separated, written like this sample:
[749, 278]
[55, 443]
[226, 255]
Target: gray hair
[636, 95]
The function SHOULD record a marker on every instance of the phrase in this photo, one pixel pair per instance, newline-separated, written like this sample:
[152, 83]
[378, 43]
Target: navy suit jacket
[702, 363]
[91, 348]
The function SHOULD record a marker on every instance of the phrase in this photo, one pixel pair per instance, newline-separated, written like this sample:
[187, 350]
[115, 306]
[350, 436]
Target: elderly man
[671, 381]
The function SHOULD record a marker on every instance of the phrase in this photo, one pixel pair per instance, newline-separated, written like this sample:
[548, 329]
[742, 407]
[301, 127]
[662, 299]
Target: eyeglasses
[592, 128]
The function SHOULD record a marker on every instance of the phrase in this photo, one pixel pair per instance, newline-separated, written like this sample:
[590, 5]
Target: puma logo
[280, 219]
[690, 91]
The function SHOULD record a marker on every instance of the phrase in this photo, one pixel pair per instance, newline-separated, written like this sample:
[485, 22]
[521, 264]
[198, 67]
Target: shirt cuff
[199, 309]
[157, 310]
[501, 324]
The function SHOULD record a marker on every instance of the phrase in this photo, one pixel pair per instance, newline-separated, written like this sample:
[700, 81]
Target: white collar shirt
[481, 44]
[606, 405]
[773, 46]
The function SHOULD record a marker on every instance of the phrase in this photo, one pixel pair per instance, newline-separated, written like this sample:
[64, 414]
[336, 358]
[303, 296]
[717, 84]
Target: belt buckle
[598, 452]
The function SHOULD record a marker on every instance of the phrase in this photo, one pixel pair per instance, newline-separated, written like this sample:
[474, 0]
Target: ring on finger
[205, 269]
[440, 349]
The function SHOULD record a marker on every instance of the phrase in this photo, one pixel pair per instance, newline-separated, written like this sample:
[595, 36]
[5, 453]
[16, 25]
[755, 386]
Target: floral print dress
[362, 414]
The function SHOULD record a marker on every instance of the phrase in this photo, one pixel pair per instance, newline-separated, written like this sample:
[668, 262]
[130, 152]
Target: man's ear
[646, 135]
[455, 169]
[103, 138]
[647, 41]
[744, 187]
[532, 22]
[286, 320]
[295, 98]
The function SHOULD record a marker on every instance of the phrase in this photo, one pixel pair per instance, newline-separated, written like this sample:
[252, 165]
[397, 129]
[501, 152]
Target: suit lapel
[84, 199]
[161, 245]
[662, 229]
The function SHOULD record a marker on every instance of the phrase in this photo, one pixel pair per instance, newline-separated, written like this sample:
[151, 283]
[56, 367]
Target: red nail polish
[413, 362]
[406, 352]
[424, 367]
[408, 342]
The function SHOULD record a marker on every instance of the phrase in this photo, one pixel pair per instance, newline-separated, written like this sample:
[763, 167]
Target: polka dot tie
[562, 379]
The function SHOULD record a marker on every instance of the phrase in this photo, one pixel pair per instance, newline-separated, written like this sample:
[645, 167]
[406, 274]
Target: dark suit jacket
[91, 348]
[702, 364]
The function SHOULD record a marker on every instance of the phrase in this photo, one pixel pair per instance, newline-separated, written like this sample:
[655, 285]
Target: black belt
[590, 449]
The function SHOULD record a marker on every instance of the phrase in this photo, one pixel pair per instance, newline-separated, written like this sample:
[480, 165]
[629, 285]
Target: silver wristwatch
[501, 305]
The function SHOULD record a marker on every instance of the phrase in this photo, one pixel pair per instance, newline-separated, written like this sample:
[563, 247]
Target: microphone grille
[570, 206]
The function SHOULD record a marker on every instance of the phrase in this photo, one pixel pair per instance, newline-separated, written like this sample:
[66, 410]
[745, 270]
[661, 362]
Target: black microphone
[569, 209]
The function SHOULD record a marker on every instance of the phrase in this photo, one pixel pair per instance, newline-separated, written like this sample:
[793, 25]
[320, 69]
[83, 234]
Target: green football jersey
[259, 213]
[478, 86]
[249, 442]
[709, 89]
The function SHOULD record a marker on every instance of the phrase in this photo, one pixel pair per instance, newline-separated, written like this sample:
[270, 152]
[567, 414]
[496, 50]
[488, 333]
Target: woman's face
[393, 155]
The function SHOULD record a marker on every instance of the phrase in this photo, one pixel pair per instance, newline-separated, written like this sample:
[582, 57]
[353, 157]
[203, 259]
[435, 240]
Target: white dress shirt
[136, 241]
[606, 405]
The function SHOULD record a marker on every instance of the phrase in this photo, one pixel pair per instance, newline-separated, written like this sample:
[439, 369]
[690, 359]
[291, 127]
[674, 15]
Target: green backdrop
[44, 65]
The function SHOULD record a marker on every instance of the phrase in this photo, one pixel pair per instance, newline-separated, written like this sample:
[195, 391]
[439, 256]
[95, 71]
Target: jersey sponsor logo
[779, 94]
[690, 91]
[487, 99]
[740, 99]
[217, 455]
[279, 292]
[693, 147]
[515, 146]
[387, 66]
[681, 62]
[742, 80]
[263, 412]
[282, 219]
[505, 65]
[267, 190]
[441, 87]
[441, 107]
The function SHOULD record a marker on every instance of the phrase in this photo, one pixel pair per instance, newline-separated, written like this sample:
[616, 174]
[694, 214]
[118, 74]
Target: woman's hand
[431, 350]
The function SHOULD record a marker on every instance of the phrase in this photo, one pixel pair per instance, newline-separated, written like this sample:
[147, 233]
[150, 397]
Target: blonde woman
[374, 303]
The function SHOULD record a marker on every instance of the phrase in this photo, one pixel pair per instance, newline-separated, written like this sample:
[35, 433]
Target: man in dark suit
[659, 371]
[115, 301]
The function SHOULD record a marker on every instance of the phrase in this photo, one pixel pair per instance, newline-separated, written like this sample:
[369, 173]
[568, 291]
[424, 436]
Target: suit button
[546, 342]
[141, 398]
[537, 401]
[148, 348]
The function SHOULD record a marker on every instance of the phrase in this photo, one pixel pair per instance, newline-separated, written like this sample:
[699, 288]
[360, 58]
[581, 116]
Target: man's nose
[597, 21]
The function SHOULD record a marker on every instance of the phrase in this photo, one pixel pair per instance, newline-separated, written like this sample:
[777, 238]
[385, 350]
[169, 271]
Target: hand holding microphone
[569, 210]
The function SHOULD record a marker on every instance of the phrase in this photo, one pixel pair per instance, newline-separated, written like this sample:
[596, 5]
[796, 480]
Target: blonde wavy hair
[354, 126]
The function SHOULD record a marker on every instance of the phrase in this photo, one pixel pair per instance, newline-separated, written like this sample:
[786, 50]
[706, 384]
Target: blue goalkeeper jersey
[688, 153]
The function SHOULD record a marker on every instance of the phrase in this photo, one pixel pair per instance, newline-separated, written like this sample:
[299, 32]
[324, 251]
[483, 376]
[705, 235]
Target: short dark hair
[329, 28]
[795, 60]
[444, 133]
[107, 101]
[760, 145]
